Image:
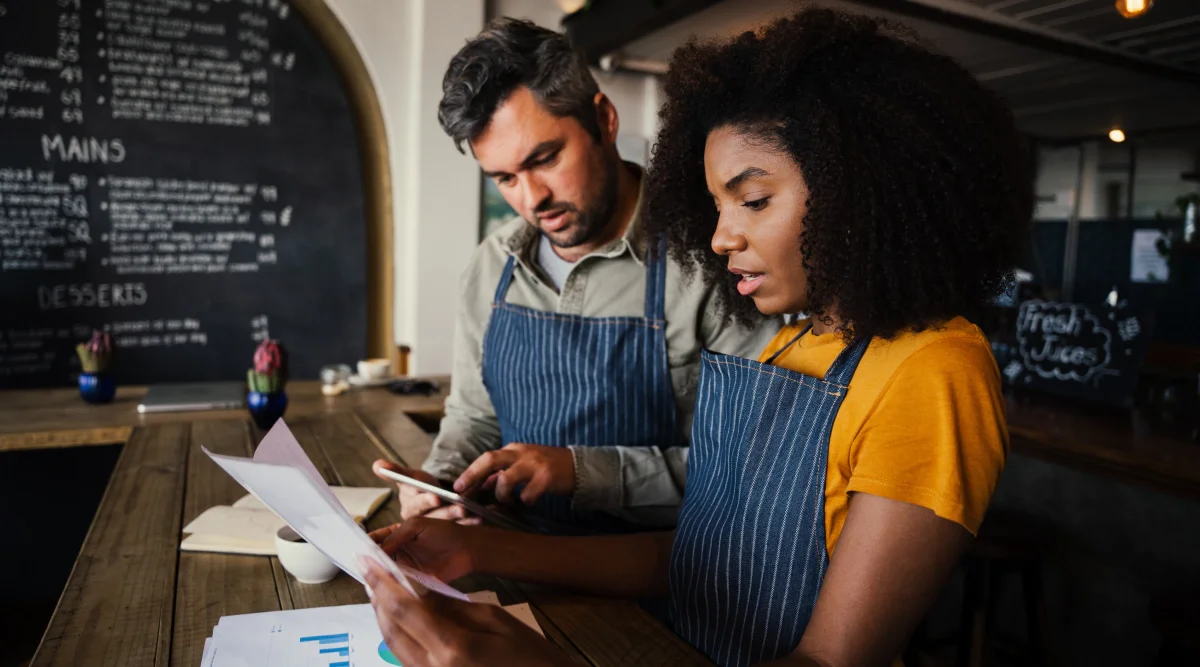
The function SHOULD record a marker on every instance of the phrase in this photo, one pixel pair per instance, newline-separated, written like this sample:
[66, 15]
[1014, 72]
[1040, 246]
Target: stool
[1008, 543]
[1177, 617]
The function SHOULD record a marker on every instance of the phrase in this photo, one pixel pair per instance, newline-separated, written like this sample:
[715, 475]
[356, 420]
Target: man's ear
[607, 118]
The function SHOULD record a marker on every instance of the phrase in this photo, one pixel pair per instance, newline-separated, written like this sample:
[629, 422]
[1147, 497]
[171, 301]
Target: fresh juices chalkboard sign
[1079, 350]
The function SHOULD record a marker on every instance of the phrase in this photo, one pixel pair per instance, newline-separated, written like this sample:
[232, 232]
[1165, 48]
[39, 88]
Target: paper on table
[299, 636]
[300, 496]
[524, 613]
[206, 654]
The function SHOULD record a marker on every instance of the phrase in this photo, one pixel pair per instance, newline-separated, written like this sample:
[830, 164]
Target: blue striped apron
[559, 379]
[749, 552]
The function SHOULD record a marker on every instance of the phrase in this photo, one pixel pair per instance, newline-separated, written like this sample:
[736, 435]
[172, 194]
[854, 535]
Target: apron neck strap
[843, 367]
[847, 362]
[656, 282]
[771, 361]
[505, 280]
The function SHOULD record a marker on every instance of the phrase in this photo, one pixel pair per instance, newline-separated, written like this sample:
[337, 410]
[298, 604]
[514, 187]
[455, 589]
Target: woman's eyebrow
[747, 174]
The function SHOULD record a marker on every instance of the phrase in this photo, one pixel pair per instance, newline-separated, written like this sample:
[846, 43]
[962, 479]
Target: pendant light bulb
[1132, 9]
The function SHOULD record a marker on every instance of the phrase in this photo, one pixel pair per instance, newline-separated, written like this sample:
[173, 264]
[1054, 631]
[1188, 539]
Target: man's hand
[439, 548]
[414, 502]
[436, 631]
[540, 469]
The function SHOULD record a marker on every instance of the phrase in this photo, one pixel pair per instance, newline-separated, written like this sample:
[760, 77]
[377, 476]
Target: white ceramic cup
[301, 559]
[374, 369]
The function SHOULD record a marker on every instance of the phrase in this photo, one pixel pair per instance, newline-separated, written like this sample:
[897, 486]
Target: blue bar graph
[337, 653]
[343, 638]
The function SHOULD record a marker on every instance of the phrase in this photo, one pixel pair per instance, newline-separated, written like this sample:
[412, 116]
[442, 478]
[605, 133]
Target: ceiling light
[1132, 9]
[572, 6]
[1116, 135]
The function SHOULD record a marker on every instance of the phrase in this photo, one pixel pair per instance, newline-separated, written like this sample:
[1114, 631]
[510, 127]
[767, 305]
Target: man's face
[549, 169]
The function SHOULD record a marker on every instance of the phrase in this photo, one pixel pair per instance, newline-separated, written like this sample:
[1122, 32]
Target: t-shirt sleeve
[937, 436]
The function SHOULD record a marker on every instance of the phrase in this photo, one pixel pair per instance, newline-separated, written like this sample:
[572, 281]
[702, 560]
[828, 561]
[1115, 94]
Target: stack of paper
[249, 527]
[324, 637]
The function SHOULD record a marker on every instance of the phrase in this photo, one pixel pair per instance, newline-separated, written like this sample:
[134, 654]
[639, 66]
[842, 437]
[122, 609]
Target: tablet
[489, 515]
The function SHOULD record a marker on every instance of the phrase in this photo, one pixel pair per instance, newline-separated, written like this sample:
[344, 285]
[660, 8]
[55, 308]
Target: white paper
[524, 613]
[280, 447]
[290, 486]
[347, 634]
[1146, 264]
[206, 654]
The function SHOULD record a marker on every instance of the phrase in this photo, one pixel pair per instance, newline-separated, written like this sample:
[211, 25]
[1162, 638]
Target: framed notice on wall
[1078, 350]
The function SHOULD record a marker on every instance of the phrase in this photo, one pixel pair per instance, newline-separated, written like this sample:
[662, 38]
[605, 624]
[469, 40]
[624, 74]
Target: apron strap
[771, 361]
[847, 362]
[656, 283]
[843, 367]
[505, 280]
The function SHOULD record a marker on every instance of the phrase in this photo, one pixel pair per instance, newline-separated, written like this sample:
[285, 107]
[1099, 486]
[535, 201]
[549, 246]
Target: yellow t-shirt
[923, 421]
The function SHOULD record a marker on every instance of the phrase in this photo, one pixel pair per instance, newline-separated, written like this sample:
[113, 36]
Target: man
[576, 349]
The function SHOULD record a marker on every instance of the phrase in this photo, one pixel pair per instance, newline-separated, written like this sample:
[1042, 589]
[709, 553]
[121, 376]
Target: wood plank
[215, 585]
[398, 433]
[611, 631]
[82, 437]
[117, 607]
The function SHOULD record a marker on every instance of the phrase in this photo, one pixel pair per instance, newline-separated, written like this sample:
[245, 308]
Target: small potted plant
[96, 384]
[267, 400]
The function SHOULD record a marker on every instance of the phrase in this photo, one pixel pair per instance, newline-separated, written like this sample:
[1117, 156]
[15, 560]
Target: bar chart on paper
[328, 637]
[332, 650]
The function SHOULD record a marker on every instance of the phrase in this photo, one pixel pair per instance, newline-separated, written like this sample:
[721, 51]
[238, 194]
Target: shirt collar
[523, 243]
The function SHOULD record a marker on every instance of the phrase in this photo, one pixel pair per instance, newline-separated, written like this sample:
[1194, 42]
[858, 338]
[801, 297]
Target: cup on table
[374, 369]
[301, 559]
[335, 373]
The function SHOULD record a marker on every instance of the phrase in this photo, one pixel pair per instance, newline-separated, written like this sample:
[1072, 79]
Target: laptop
[192, 396]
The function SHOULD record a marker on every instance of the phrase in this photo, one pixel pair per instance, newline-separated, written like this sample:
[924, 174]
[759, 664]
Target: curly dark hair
[921, 189]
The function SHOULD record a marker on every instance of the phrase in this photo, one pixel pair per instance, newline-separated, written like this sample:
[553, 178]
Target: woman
[831, 166]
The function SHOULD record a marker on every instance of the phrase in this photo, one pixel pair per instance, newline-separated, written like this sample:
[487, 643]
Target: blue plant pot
[266, 409]
[97, 388]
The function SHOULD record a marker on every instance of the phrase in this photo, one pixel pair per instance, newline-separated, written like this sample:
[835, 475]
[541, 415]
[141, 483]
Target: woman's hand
[440, 548]
[436, 631]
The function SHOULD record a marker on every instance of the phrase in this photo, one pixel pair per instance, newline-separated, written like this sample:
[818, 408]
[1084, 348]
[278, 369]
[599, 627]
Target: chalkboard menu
[184, 174]
[1077, 350]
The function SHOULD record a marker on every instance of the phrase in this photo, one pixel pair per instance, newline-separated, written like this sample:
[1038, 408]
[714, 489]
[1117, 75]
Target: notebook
[248, 527]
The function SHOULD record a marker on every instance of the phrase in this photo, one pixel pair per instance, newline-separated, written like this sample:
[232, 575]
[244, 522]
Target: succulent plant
[97, 353]
[270, 368]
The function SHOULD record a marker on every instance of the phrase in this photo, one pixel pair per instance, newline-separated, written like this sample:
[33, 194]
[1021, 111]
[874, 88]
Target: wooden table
[135, 600]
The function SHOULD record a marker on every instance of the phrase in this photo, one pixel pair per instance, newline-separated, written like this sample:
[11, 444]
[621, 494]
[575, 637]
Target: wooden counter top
[46, 418]
[135, 600]
[1126, 444]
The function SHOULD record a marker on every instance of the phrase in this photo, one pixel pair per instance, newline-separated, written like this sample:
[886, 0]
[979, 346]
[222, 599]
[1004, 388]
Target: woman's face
[761, 199]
